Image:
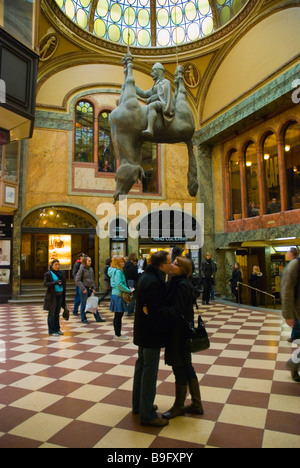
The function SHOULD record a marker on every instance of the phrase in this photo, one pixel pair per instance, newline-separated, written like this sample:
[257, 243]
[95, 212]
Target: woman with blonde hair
[178, 355]
[118, 285]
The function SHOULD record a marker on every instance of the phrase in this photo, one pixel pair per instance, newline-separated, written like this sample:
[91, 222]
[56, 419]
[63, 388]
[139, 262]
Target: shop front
[166, 229]
[6, 267]
[56, 233]
[271, 256]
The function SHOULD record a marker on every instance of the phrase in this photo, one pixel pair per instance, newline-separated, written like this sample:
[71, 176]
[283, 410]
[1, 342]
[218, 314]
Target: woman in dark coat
[177, 355]
[254, 281]
[55, 298]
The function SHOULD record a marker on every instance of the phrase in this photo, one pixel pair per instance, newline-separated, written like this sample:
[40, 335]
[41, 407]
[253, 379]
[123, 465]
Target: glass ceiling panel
[129, 22]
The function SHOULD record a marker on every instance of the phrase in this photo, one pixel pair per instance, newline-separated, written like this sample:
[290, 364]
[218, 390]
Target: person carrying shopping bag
[119, 286]
[85, 280]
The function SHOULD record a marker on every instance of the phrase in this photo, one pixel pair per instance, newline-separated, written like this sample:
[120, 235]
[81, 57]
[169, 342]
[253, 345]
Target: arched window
[84, 132]
[106, 156]
[252, 180]
[149, 156]
[292, 160]
[235, 185]
[271, 173]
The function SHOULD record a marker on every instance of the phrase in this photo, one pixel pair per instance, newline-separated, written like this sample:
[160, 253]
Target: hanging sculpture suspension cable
[128, 36]
[176, 36]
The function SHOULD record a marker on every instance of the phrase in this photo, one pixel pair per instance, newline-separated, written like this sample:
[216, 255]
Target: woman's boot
[196, 406]
[178, 407]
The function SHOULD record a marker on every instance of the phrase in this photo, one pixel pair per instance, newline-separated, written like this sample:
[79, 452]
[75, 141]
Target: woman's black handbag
[197, 337]
[66, 314]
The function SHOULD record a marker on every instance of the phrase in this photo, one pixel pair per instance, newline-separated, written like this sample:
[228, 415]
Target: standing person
[254, 281]
[290, 297]
[151, 330]
[291, 255]
[176, 252]
[132, 276]
[142, 265]
[212, 292]
[196, 292]
[177, 355]
[75, 270]
[117, 305]
[107, 289]
[85, 279]
[55, 298]
[234, 280]
[207, 274]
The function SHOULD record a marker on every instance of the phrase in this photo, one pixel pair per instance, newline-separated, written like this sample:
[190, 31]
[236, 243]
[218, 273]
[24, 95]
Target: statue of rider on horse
[165, 119]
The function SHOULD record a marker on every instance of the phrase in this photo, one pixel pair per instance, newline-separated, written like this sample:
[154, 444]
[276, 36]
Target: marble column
[206, 195]
[17, 230]
[282, 174]
[244, 194]
[261, 180]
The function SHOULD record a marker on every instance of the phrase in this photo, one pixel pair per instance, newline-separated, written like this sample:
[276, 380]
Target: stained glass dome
[151, 23]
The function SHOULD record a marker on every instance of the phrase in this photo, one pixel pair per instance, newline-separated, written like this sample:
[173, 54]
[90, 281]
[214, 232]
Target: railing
[257, 290]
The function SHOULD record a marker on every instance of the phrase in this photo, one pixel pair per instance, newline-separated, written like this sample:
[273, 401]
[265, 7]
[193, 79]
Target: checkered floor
[75, 390]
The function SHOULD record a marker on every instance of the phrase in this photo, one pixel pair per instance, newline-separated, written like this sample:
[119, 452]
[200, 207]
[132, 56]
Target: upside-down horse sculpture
[165, 119]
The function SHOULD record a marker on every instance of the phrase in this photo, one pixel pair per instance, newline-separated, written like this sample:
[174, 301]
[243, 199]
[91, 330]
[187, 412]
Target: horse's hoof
[148, 134]
[193, 188]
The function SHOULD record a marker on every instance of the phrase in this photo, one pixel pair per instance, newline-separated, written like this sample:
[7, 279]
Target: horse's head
[127, 175]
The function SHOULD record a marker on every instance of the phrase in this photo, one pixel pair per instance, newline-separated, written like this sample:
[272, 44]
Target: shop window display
[18, 18]
[292, 161]
[9, 162]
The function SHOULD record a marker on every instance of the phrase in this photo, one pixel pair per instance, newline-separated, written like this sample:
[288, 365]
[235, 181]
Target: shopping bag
[92, 304]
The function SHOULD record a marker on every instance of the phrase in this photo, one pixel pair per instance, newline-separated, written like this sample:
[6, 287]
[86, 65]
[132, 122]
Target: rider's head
[157, 70]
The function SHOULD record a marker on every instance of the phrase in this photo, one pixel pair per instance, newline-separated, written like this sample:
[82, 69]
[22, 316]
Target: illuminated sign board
[60, 249]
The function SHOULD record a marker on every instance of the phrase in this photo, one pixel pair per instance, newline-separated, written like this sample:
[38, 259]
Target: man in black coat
[208, 271]
[131, 274]
[151, 329]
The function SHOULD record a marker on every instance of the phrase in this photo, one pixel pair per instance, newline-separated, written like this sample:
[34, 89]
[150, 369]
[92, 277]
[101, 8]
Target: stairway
[34, 293]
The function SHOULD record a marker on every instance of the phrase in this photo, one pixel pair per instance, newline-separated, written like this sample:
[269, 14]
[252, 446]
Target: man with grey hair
[160, 99]
[290, 297]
